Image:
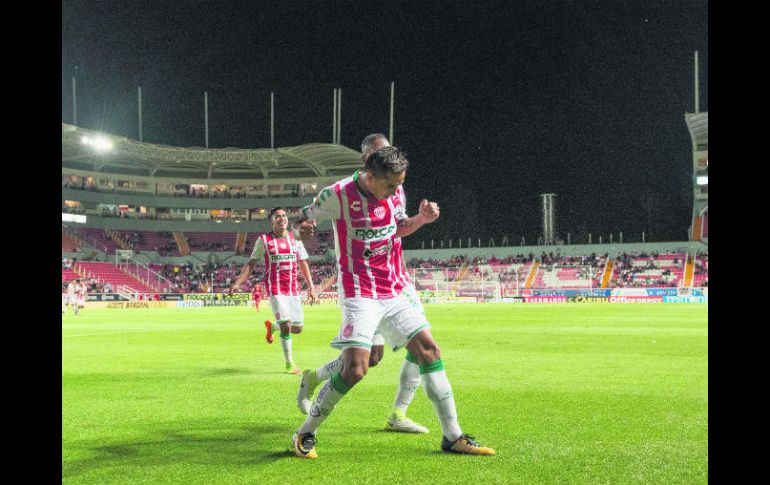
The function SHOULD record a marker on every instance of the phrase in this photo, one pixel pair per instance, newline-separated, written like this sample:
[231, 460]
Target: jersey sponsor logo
[379, 212]
[374, 252]
[375, 233]
[355, 205]
[282, 257]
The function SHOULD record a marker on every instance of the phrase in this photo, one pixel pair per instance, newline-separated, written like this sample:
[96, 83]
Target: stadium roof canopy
[698, 124]
[132, 157]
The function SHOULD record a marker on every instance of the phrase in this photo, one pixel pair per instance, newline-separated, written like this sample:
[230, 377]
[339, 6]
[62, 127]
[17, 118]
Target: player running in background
[284, 257]
[369, 218]
[256, 294]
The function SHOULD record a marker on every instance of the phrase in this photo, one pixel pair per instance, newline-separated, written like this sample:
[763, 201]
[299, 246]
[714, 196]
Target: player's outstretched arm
[428, 213]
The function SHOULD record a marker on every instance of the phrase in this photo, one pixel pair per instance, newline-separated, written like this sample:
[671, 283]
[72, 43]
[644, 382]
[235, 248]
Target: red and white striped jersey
[281, 255]
[369, 255]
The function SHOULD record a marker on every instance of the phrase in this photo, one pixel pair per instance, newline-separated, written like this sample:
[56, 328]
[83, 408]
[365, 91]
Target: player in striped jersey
[409, 379]
[284, 257]
[369, 218]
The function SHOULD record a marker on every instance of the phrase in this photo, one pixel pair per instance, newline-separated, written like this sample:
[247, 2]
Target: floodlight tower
[549, 219]
[698, 126]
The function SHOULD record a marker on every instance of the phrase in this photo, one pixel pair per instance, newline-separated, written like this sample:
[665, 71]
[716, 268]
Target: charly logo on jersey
[379, 212]
[374, 233]
[355, 205]
[376, 251]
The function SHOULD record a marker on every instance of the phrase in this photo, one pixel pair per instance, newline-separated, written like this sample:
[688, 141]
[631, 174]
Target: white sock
[327, 398]
[324, 372]
[286, 346]
[440, 393]
[409, 382]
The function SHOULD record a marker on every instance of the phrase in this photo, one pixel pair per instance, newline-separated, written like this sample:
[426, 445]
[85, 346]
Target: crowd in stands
[628, 274]
[187, 278]
[631, 270]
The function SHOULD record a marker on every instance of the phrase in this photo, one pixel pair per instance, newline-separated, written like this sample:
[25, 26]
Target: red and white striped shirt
[281, 256]
[369, 255]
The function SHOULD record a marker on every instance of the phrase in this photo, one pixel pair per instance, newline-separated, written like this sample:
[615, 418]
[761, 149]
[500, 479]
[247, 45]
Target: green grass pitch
[566, 393]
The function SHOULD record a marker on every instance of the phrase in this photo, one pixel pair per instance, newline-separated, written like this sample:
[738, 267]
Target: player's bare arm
[305, 271]
[245, 272]
[428, 213]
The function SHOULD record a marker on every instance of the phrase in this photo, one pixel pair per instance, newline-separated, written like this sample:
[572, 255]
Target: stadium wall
[612, 250]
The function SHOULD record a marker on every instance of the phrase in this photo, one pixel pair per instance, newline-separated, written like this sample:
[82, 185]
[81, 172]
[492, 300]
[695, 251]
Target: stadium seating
[110, 273]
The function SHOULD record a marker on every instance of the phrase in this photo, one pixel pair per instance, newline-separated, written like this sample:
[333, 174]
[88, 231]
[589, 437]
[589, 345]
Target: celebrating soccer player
[282, 255]
[369, 218]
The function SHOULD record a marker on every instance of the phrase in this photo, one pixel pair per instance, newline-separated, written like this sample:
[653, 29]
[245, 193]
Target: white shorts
[395, 320]
[81, 301]
[73, 300]
[287, 309]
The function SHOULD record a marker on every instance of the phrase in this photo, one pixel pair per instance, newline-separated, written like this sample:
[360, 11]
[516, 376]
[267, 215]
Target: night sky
[496, 102]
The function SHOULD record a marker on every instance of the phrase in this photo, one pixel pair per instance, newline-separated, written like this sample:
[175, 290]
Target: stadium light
[702, 180]
[99, 143]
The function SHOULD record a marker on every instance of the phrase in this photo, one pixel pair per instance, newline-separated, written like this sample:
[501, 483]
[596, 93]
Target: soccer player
[283, 255]
[73, 288]
[369, 218]
[80, 293]
[71, 300]
[409, 379]
[256, 294]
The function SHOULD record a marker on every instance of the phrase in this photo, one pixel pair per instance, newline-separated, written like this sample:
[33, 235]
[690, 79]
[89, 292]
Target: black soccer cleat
[466, 445]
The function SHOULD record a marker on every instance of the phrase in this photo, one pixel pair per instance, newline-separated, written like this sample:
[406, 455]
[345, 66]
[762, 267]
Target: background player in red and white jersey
[80, 294]
[256, 295]
[64, 299]
[284, 258]
[369, 218]
[73, 289]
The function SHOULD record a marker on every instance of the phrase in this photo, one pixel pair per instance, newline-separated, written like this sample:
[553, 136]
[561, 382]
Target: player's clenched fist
[429, 210]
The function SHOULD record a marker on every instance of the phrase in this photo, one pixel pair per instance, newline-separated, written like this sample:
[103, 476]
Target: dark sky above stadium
[496, 102]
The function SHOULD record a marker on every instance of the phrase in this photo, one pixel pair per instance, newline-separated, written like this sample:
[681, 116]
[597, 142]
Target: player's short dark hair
[273, 210]
[386, 161]
[367, 146]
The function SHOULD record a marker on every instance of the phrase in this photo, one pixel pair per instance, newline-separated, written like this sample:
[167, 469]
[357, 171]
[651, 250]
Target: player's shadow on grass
[199, 444]
[240, 372]
[228, 371]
